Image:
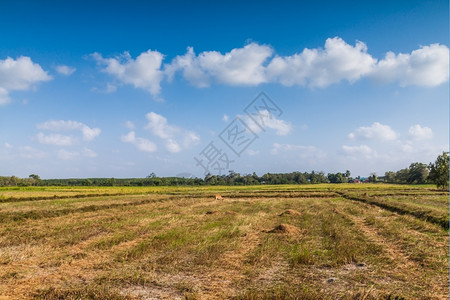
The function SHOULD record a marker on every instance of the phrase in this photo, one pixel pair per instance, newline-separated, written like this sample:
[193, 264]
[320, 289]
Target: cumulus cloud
[376, 131]
[267, 119]
[173, 146]
[144, 72]
[19, 75]
[89, 152]
[358, 151]
[140, 143]
[129, 138]
[175, 137]
[55, 139]
[240, 66]
[418, 132]
[322, 67]
[255, 64]
[426, 66]
[53, 125]
[159, 126]
[65, 70]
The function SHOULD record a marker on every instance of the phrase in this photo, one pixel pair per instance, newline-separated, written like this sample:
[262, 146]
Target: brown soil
[291, 212]
[285, 228]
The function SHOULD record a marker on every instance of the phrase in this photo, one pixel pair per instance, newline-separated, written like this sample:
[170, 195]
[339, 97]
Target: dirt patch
[150, 292]
[286, 229]
[291, 212]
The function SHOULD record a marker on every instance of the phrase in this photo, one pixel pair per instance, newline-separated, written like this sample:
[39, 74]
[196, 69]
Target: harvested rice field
[345, 241]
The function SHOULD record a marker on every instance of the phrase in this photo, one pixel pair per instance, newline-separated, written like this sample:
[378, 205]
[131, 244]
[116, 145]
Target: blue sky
[123, 89]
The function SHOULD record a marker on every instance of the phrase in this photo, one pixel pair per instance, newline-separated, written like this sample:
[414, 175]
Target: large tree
[389, 177]
[418, 173]
[439, 172]
[401, 176]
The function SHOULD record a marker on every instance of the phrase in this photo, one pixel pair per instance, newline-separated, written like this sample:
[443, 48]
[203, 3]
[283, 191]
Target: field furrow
[284, 243]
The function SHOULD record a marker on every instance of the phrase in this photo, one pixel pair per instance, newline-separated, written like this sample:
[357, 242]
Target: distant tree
[33, 180]
[418, 173]
[14, 180]
[389, 177]
[151, 175]
[111, 182]
[439, 171]
[347, 174]
[35, 177]
[401, 176]
[373, 177]
[337, 178]
[317, 177]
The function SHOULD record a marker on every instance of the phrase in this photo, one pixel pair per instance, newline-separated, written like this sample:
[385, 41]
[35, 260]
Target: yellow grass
[169, 243]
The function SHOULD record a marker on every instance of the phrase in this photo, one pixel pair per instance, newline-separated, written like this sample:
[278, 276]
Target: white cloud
[173, 135]
[4, 97]
[190, 138]
[159, 126]
[65, 70]
[376, 131]
[129, 138]
[144, 72]
[19, 75]
[129, 125]
[418, 132]
[69, 155]
[145, 145]
[268, 121]
[240, 66]
[140, 143]
[172, 146]
[252, 152]
[55, 139]
[300, 151]
[225, 118]
[88, 133]
[66, 155]
[426, 66]
[89, 153]
[416, 150]
[11, 154]
[255, 64]
[110, 88]
[358, 151]
[321, 67]
[30, 153]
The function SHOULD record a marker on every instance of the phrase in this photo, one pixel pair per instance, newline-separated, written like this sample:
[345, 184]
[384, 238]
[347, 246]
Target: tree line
[419, 173]
[416, 173]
